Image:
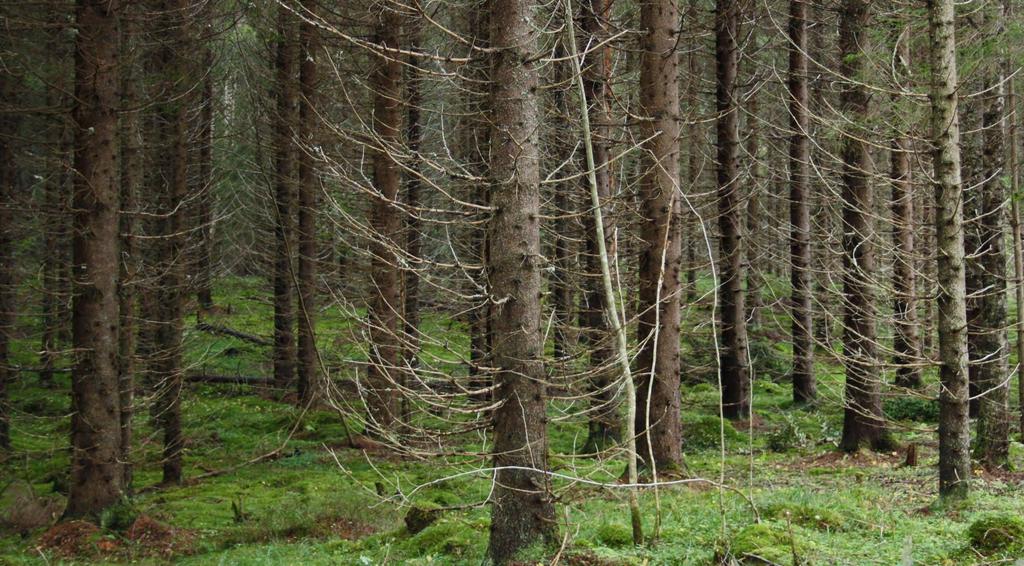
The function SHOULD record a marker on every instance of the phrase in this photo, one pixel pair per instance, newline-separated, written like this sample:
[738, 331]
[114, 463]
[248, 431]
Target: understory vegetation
[271, 484]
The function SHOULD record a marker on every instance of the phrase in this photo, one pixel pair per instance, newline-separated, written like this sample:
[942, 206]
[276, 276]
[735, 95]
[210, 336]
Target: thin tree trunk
[991, 345]
[386, 285]
[906, 344]
[735, 369]
[473, 144]
[170, 192]
[523, 511]
[954, 425]
[96, 472]
[413, 190]
[560, 279]
[1015, 221]
[309, 386]
[610, 301]
[756, 213]
[658, 399]
[284, 200]
[863, 420]
[7, 302]
[204, 252]
[55, 204]
[131, 180]
[804, 385]
[605, 424]
[694, 234]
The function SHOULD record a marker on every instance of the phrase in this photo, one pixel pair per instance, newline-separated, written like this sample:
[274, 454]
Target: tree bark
[863, 420]
[203, 272]
[756, 213]
[413, 190]
[96, 471]
[7, 299]
[284, 200]
[131, 181]
[990, 346]
[386, 284]
[1015, 220]
[473, 145]
[954, 425]
[658, 399]
[309, 385]
[804, 385]
[170, 195]
[735, 369]
[55, 242]
[605, 425]
[906, 343]
[523, 510]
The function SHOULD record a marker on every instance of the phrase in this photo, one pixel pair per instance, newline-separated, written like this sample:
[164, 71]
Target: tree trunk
[7, 288]
[954, 425]
[658, 399]
[386, 284]
[96, 472]
[523, 510]
[203, 272]
[413, 188]
[990, 345]
[863, 420]
[756, 214]
[284, 200]
[904, 281]
[1015, 220]
[694, 134]
[171, 195]
[735, 368]
[605, 425]
[309, 386]
[131, 180]
[804, 385]
[473, 144]
[54, 260]
[560, 278]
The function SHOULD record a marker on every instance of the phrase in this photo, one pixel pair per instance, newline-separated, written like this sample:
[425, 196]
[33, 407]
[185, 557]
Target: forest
[511, 282]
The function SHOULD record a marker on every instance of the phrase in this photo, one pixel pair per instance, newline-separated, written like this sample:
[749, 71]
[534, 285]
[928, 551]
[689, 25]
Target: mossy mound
[421, 516]
[807, 516]
[446, 536]
[997, 533]
[701, 432]
[614, 535]
[763, 543]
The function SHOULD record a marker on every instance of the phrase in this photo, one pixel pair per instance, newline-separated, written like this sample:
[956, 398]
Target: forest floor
[790, 496]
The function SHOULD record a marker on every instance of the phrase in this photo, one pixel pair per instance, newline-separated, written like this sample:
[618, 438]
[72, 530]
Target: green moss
[763, 543]
[705, 431]
[997, 533]
[615, 535]
[446, 536]
[805, 515]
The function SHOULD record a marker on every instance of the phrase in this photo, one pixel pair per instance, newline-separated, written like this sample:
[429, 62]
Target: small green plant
[787, 436]
[239, 512]
[119, 516]
[914, 409]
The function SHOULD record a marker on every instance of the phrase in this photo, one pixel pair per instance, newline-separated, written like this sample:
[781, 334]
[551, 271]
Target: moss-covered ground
[789, 497]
